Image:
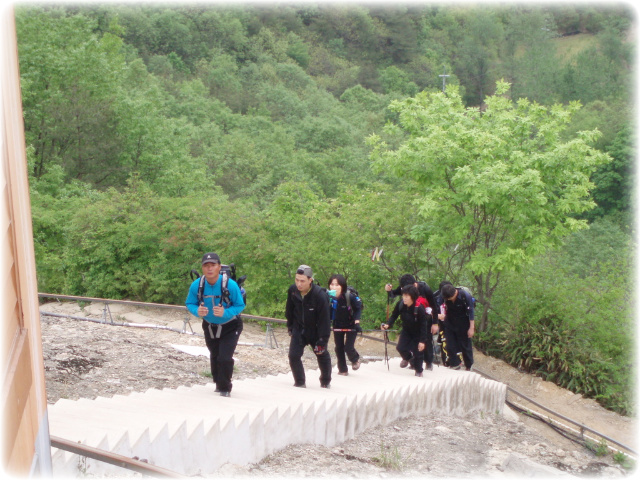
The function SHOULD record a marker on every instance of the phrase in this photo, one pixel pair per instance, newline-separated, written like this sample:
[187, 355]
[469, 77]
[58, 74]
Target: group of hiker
[314, 312]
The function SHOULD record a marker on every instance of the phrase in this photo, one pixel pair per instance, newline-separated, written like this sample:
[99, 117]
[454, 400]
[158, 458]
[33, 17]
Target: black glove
[358, 328]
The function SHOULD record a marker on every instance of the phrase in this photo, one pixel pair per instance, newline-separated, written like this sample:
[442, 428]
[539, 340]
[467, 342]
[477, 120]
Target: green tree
[476, 56]
[69, 78]
[497, 187]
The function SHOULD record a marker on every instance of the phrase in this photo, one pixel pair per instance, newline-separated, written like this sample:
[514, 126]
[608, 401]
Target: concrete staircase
[194, 431]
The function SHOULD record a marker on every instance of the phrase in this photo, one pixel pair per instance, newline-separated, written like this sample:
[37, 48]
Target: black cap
[210, 258]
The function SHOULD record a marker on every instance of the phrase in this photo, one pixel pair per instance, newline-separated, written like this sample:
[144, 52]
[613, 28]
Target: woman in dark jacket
[346, 309]
[413, 337]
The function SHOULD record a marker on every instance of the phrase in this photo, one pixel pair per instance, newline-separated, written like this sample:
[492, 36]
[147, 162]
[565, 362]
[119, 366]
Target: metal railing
[132, 464]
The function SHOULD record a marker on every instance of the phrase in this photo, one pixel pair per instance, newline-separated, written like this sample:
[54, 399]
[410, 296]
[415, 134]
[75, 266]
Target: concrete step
[194, 431]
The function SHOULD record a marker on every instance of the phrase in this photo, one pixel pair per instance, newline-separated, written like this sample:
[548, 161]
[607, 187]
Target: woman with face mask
[346, 308]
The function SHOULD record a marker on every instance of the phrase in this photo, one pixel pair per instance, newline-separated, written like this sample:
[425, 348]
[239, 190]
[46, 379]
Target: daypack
[226, 271]
[425, 303]
[468, 296]
[351, 291]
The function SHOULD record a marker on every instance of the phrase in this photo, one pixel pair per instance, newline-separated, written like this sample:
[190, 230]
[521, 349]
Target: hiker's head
[338, 283]
[443, 283]
[211, 266]
[449, 292]
[304, 278]
[407, 279]
[409, 294]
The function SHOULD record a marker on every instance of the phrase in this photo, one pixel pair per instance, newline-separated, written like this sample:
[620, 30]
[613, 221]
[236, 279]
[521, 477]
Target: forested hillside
[490, 146]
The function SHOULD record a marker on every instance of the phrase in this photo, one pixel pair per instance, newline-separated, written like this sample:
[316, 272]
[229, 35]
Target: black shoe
[225, 394]
[300, 385]
[418, 374]
[217, 390]
[325, 386]
[404, 363]
[429, 366]
[355, 365]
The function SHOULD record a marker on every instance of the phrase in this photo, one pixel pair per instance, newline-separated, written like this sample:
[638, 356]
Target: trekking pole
[344, 330]
[386, 335]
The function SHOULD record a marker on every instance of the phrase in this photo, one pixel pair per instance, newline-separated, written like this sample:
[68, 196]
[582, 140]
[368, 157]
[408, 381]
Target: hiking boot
[430, 366]
[217, 390]
[404, 363]
[327, 385]
[300, 385]
[418, 374]
[225, 394]
[343, 373]
[355, 365]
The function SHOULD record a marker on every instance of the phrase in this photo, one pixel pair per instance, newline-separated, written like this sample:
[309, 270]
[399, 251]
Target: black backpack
[226, 271]
[351, 291]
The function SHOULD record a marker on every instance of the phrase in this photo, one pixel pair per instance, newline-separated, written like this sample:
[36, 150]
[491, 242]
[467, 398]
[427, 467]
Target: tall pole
[444, 79]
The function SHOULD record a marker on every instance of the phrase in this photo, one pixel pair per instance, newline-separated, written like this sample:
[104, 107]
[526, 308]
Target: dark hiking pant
[458, 342]
[345, 344]
[221, 341]
[408, 349]
[296, 349]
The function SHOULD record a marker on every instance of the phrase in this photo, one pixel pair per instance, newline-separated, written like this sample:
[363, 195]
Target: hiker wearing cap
[220, 308]
[427, 299]
[308, 323]
[346, 308]
[413, 337]
[459, 325]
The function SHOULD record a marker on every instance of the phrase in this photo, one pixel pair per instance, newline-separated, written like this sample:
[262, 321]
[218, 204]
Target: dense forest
[492, 146]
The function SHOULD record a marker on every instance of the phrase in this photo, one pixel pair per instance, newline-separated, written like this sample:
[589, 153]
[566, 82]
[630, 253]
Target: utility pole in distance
[444, 79]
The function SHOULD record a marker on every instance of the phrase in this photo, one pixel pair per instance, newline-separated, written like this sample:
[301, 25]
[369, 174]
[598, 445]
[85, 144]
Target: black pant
[345, 345]
[458, 341]
[444, 352]
[296, 349]
[408, 349]
[221, 341]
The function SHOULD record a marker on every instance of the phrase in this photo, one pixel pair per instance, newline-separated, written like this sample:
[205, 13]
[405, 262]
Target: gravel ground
[85, 360]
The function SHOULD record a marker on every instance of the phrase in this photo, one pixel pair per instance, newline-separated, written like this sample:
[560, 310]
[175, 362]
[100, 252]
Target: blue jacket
[212, 294]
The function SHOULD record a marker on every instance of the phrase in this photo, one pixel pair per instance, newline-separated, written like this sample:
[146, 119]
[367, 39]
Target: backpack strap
[201, 290]
[224, 296]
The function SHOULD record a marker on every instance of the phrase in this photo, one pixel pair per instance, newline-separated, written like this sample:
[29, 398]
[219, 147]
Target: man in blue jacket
[219, 306]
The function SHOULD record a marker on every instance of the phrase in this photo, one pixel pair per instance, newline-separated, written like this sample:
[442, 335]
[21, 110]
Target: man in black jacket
[308, 322]
[459, 325]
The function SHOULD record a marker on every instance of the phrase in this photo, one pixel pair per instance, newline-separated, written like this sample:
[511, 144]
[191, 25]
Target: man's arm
[323, 318]
[192, 299]
[237, 303]
[288, 311]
